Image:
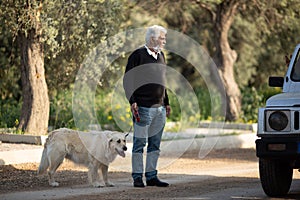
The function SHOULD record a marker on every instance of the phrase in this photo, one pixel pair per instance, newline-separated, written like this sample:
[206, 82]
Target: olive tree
[60, 31]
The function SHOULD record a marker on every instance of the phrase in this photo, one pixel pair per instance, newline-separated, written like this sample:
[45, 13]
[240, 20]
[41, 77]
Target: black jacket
[145, 78]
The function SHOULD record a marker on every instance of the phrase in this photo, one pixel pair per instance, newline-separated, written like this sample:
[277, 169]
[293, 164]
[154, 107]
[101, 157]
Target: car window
[295, 76]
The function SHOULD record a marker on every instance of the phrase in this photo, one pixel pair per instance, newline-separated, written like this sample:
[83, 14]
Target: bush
[252, 99]
[61, 110]
[107, 113]
[113, 112]
[9, 113]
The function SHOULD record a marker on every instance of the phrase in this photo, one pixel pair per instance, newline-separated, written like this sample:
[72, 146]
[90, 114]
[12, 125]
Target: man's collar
[152, 52]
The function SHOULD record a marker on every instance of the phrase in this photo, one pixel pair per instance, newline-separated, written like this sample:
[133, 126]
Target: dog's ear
[110, 141]
[126, 135]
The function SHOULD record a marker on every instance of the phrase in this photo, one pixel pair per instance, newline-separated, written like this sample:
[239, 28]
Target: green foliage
[72, 30]
[175, 106]
[205, 103]
[108, 114]
[20, 16]
[61, 113]
[252, 100]
[61, 110]
[248, 50]
[278, 33]
[9, 71]
[263, 32]
[9, 113]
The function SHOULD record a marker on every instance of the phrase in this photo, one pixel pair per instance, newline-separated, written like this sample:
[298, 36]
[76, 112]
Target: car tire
[275, 176]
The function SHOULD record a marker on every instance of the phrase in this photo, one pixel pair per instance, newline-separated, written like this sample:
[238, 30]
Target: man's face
[160, 42]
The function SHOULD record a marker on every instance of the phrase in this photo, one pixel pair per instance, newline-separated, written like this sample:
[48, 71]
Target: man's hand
[168, 110]
[134, 107]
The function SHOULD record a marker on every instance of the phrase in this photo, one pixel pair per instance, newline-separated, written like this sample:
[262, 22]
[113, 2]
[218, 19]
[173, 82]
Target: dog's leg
[104, 171]
[54, 162]
[94, 176]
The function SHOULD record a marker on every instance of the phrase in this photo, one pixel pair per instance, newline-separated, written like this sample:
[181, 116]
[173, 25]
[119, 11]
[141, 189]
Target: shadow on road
[74, 186]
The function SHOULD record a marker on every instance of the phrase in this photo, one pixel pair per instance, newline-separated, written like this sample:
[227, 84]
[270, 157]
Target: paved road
[223, 174]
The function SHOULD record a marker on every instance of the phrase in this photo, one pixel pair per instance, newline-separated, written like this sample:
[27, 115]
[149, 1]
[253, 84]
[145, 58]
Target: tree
[225, 57]
[221, 14]
[23, 19]
[72, 30]
[64, 32]
[261, 32]
[278, 26]
[247, 39]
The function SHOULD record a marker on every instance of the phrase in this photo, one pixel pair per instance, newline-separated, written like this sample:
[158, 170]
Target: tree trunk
[225, 58]
[35, 108]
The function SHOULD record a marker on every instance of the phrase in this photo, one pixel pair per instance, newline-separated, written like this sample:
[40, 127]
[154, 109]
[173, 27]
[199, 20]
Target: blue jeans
[150, 128]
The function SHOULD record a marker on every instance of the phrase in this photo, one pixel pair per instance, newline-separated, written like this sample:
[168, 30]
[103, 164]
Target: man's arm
[167, 104]
[128, 79]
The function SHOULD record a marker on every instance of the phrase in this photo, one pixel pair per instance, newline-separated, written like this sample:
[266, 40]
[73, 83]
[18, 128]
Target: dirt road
[222, 174]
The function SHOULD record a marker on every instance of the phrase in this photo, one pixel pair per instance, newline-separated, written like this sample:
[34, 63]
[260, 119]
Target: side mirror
[276, 81]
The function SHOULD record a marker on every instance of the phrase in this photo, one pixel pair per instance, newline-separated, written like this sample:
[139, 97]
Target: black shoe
[157, 182]
[138, 182]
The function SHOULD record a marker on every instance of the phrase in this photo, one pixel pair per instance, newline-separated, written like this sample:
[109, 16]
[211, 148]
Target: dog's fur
[93, 149]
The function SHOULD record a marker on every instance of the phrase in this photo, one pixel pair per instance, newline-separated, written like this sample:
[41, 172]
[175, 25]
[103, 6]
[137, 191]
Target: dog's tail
[44, 164]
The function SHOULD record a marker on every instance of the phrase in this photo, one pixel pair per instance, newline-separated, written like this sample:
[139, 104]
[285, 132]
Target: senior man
[144, 85]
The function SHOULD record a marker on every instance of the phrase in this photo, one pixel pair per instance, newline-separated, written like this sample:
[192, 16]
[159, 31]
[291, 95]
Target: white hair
[154, 31]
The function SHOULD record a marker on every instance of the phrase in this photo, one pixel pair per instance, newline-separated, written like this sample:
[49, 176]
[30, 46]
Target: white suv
[278, 146]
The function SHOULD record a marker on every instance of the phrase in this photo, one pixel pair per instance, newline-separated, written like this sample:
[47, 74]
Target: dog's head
[117, 143]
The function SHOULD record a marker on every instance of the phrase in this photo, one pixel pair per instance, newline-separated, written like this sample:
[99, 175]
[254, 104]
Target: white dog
[95, 149]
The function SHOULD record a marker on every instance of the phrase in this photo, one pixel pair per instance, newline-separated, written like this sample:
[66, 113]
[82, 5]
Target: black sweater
[144, 79]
